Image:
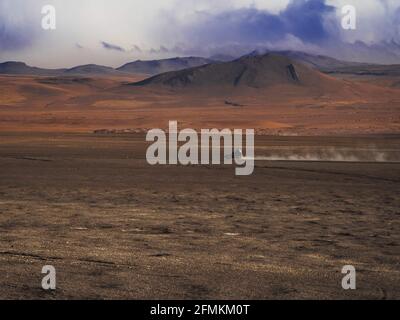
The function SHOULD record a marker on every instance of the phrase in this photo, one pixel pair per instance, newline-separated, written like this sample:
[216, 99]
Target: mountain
[256, 71]
[20, 68]
[319, 62]
[152, 67]
[91, 69]
[223, 57]
[330, 65]
[375, 70]
[385, 52]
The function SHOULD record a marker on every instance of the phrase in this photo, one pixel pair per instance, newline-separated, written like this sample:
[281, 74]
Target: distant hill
[153, 67]
[330, 65]
[223, 57]
[368, 70]
[257, 71]
[91, 69]
[320, 62]
[20, 68]
[138, 67]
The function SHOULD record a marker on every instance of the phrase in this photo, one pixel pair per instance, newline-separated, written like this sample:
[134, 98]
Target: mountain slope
[249, 71]
[152, 67]
[20, 68]
[91, 69]
[319, 62]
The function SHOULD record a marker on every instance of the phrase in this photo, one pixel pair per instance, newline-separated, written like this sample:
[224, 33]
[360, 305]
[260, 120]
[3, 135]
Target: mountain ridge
[257, 71]
[153, 67]
[325, 64]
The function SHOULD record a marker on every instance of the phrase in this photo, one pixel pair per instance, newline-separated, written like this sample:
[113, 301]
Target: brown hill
[249, 71]
[21, 68]
[153, 67]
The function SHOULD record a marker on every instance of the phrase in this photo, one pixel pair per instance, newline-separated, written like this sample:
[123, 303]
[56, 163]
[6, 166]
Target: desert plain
[77, 193]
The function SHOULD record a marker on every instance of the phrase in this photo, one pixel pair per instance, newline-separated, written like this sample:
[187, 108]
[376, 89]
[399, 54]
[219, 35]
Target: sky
[115, 32]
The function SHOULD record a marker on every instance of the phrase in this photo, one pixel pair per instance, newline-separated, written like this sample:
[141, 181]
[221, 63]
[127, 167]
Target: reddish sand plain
[63, 104]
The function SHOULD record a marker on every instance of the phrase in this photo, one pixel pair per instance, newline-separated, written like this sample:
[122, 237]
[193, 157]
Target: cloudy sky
[114, 32]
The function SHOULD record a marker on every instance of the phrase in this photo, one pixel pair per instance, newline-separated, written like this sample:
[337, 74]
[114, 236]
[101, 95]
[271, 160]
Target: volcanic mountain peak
[256, 71]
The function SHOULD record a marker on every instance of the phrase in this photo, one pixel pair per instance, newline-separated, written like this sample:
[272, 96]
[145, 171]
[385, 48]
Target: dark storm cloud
[110, 46]
[17, 28]
[310, 20]
[15, 37]
[307, 20]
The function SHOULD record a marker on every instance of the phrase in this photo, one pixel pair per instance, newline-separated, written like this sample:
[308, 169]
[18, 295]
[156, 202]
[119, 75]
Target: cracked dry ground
[115, 227]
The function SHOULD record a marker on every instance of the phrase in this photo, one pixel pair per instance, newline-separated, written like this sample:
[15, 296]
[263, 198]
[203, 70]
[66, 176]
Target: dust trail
[330, 155]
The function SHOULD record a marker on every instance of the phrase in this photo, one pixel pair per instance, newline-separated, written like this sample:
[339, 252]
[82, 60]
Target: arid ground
[76, 192]
[115, 227]
[79, 104]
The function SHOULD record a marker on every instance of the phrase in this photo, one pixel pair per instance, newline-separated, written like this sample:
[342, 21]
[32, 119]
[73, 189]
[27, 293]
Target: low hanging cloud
[137, 48]
[110, 46]
[161, 50]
